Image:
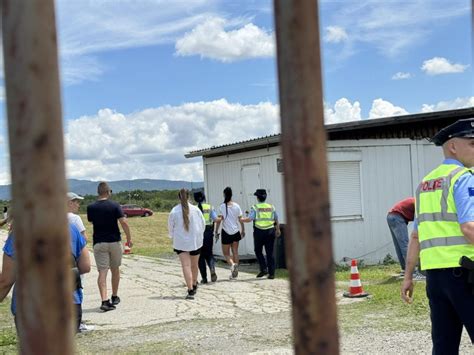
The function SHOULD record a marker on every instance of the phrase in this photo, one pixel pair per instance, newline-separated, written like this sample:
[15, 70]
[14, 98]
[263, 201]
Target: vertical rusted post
[44, 286]
[306, 183]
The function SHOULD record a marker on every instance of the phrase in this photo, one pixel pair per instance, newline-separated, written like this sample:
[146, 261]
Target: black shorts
[192, 252]
[230, 238]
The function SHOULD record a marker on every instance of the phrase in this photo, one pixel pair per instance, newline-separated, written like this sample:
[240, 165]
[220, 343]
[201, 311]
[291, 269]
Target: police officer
[444, 232]
[265, 228]
[206, 255]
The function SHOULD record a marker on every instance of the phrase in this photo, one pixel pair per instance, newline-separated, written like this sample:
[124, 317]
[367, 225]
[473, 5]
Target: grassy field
[8, 339]
[149, 235]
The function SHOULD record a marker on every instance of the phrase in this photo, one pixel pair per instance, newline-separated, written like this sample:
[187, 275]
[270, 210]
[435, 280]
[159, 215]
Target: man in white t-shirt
[73, 203]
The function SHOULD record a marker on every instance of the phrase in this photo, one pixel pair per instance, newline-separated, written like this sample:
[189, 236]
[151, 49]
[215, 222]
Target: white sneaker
[85, 328]
[235, 270]
[418, 276]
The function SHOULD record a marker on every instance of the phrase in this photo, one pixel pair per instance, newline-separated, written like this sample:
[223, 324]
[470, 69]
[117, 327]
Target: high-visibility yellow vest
[206, 212]
[264, 216]
[442, 242]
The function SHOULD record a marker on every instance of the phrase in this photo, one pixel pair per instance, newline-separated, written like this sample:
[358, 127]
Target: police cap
[199, 196]
[260, 193]
[461, 129]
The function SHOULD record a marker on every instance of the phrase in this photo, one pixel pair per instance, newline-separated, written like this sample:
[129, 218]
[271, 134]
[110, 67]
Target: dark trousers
[452, 306]
[264, 238]
[206, 255]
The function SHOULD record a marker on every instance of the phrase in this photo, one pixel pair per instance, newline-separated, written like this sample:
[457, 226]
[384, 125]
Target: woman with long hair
[186, 227]
[233, 231]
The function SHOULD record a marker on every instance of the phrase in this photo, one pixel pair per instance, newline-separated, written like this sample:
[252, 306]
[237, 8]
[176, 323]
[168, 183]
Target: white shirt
[76, 221]
[230, 222]
[182, 239]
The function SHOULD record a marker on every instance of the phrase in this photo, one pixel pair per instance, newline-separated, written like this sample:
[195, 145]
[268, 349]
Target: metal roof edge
[330, 128]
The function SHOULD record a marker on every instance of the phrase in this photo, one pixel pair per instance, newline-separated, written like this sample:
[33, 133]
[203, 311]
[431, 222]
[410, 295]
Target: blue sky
[145, 81]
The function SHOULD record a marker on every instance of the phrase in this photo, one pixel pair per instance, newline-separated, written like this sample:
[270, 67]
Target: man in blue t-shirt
[82, 261]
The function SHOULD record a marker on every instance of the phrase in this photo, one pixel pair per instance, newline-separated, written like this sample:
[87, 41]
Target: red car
[134, 210]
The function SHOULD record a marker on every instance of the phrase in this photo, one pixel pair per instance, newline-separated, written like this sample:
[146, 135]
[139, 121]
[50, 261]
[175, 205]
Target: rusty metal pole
[43, 256]
[309, 247]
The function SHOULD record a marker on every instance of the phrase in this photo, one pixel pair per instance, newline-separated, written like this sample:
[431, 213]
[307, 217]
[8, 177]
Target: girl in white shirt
[233, 231]
[186, 226]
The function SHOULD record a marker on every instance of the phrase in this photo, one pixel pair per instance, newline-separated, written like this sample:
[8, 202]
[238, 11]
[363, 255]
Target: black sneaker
[204, 281]
[115, 300]
[271, 277]
[262, 274]
[213, 276]
[190, 295]
[107, 306]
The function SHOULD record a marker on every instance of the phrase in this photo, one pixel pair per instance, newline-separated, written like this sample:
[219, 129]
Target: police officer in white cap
[265, 229]
[443, 235]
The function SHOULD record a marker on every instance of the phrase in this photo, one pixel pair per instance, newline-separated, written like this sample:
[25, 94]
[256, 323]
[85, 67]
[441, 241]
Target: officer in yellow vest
[265, 229]
[206, 255]
[444, 232]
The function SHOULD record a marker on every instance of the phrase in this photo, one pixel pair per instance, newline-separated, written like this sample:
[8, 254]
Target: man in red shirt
[398, 217]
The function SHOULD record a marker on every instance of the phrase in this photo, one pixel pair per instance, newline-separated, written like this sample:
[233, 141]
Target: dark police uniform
[264, 219]
[444, 201]
[206, 256]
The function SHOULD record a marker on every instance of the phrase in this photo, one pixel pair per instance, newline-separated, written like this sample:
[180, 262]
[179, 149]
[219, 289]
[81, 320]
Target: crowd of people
[193, 229]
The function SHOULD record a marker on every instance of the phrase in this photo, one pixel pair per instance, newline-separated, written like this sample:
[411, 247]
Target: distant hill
[87, 187]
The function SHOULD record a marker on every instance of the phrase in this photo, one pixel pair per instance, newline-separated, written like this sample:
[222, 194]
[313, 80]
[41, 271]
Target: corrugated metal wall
[389, 171]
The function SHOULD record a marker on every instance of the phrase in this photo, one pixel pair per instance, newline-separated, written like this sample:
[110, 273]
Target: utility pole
[309, 247]
[43, 256]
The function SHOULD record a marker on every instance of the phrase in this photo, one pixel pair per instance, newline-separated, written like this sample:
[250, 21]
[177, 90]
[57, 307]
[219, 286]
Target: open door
[250, 182]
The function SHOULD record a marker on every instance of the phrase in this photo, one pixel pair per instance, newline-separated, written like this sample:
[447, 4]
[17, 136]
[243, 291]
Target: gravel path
[247, 315]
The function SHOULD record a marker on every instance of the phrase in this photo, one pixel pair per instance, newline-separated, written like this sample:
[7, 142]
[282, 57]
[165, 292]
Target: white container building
[372, 165]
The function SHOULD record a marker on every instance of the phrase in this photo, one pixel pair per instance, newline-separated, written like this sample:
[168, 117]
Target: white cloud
[343, 111]
[335, 34]
[460, 102]
[401, 76]
[152, 143]
[87, 28]
[211, 40]
[392, 26]
[381, 108]
[440, 65]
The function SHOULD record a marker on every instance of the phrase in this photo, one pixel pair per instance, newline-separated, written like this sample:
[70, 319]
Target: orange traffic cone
[355, 286]
[127, 249]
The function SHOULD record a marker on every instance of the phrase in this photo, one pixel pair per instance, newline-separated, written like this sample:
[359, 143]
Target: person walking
[230, 215]
[443, 234]
[82, 265]
[265, 229]
[186, 226]
[206, 256]
[105, 214]
[73, 204]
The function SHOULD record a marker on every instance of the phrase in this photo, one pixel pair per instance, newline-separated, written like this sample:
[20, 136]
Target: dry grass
[149, 234]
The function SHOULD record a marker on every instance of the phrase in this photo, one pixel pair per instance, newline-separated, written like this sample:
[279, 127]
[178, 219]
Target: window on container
[345, 190]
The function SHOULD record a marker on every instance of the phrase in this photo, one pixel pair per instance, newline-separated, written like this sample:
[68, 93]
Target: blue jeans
[399, 230]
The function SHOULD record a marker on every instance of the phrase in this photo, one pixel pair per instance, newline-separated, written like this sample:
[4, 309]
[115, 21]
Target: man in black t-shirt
[104, 214]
